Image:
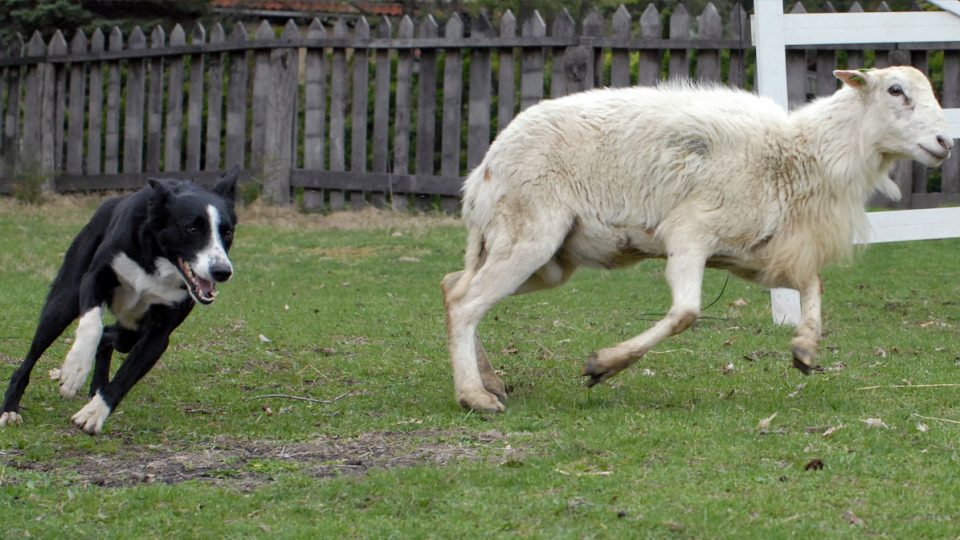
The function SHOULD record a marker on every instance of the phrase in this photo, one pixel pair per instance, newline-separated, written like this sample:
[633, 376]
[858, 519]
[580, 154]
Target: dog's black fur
[149, 256]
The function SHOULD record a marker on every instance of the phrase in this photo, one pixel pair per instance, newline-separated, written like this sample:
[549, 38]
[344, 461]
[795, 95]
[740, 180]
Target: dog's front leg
[143, 356]
[94, 289]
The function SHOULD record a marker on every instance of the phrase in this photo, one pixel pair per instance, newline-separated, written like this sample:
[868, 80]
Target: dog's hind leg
[60, 309]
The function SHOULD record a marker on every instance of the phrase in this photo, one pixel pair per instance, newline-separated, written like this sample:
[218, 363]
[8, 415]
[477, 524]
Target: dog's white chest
[139, 290]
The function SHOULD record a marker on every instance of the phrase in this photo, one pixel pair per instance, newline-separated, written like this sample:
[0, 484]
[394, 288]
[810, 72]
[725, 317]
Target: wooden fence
[354, 114]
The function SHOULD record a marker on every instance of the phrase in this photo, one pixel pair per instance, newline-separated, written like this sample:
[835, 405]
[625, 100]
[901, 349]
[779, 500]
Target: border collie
[149, 257]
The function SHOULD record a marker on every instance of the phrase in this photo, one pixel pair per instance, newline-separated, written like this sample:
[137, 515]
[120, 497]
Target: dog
[149, 257]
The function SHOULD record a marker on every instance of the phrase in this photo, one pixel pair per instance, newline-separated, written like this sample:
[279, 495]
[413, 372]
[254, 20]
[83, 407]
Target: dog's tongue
[207, 288]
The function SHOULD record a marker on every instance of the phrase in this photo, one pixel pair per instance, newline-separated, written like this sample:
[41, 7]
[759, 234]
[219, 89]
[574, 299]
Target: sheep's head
[902, 113]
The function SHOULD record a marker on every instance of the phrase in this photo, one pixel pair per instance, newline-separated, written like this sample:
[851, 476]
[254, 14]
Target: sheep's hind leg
[504, 272]
[685, 276]
[807, 335]
[491, 381]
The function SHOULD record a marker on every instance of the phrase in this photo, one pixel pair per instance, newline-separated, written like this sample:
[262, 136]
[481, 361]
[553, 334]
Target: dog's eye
[193, 229]
[227, 234]
[895, 90]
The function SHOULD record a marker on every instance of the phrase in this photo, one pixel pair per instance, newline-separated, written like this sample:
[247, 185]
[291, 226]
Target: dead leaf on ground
[727, 369]
[852, 518]
[875, 423]
[831, 430]
[796, 391]
[815, 464]
[922, 428]
[880, 352]
[764, 424]
[739, 302]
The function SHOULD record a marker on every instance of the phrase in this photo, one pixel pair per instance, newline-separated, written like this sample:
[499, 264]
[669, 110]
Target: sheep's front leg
[685, 277]
[808, 332]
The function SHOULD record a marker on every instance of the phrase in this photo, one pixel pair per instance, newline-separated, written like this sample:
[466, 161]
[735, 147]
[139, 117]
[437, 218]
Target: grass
[345, 309]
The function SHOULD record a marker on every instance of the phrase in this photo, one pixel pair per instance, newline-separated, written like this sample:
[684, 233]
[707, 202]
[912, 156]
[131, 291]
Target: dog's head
[193, 228]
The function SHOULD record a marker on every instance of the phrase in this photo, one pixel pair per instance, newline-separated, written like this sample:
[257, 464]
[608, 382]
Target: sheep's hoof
[803, 360]
[480, 401]
[494, 385]
[596, 372]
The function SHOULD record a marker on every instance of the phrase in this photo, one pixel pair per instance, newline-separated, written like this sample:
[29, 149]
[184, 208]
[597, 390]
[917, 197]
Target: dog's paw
[10, 418]
[71, 376]
[92, 416]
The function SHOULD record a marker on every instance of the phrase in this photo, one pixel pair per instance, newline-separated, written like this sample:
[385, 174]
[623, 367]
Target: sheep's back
[631, 150]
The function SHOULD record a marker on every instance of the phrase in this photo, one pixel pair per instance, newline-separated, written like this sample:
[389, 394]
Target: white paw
[72, 376]
[79, 360]
[10, 418]
[92, 416]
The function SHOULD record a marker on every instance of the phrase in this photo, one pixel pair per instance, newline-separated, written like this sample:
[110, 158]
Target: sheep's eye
[895, 90]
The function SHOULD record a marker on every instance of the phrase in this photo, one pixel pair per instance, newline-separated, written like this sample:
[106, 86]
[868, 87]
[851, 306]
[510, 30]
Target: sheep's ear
[853, 78]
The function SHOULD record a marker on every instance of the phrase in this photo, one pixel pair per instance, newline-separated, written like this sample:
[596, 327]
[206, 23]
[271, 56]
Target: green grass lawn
[341, 316]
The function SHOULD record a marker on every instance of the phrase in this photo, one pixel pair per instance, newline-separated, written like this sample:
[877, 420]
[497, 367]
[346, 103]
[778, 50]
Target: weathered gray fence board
[95, 106]
[563, 27]
[950, 182]
[401, 130]
[649, 62]
[338, 107]
[58, 46]
[381, 111]
[261, 89]
[506, 79]
[158, 40]
[620, 58]
[11, 115]
[74, 165]
[679, 29]
[280, 115]
[593, 29]
[195, 103]
[236, 136]
[133, 106]
[426, 147]
[314, 113]
[214, 116]
[738, 29]
[531, 63]
[111, 147]
[452, 102]
[358, 109]
[709, 26]
[478, 114]
[173, 132]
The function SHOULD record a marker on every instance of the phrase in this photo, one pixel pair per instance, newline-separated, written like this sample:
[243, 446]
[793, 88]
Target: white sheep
[701, 176]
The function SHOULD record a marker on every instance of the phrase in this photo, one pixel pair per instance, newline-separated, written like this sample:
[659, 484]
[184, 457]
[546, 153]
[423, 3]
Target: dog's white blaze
[139, 290]
[214, 252]
[92, 416]
[79, 360]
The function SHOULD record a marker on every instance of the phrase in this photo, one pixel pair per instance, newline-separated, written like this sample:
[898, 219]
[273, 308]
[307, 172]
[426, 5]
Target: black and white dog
[149, 257]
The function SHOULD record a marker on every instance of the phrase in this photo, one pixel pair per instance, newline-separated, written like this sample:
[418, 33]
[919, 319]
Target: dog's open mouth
[201, 290]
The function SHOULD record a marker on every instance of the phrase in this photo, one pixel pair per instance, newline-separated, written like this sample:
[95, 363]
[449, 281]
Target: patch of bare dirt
[248, 464]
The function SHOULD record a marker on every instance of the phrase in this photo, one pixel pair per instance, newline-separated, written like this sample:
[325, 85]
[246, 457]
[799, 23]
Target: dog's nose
[221, 272]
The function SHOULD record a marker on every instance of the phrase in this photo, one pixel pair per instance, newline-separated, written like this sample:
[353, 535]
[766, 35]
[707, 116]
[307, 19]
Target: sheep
[702, 176]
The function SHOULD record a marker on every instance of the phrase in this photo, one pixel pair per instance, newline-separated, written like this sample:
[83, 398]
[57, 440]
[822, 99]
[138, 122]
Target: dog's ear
[157, 207]
[227, 185]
